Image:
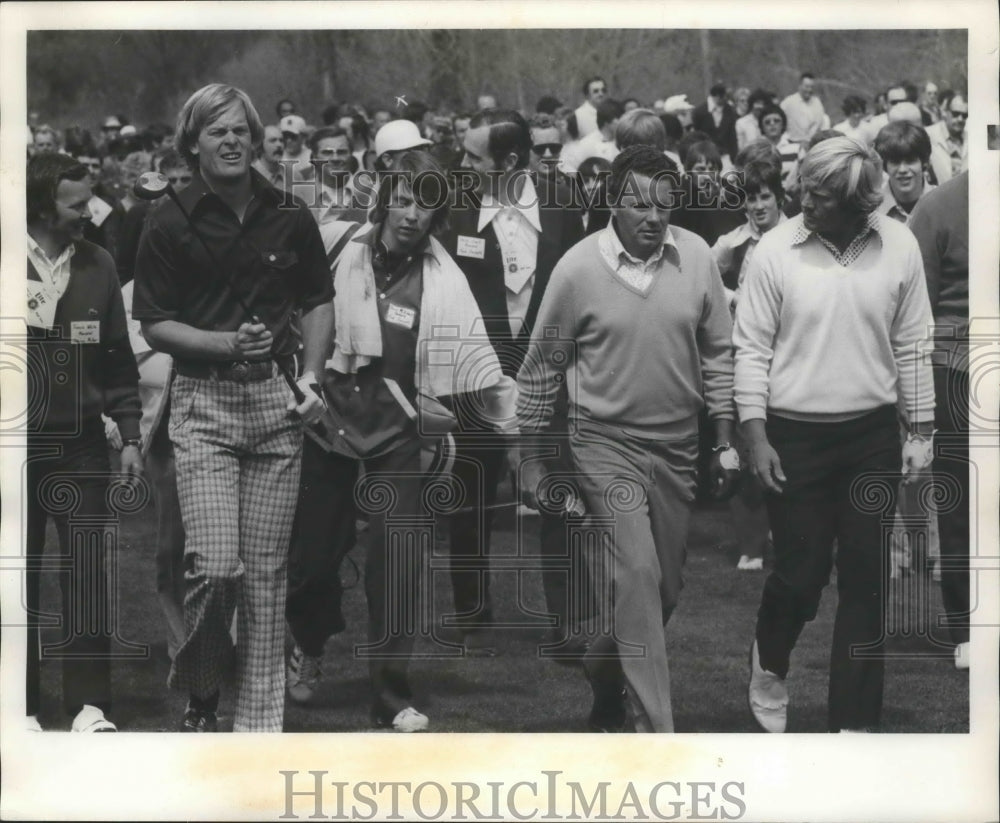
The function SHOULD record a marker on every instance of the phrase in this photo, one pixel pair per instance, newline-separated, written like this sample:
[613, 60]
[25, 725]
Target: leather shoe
[199, 721]
[767, 696]
[609, 711]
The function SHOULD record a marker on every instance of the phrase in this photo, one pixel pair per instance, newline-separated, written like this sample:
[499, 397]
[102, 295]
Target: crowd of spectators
[569, 144]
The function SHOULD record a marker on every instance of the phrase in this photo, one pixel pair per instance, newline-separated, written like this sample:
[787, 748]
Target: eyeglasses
[964, 115]
[289, 135]
[182, 179]
[771, 121]
[333, 152]
[894, 102]
[551, 148]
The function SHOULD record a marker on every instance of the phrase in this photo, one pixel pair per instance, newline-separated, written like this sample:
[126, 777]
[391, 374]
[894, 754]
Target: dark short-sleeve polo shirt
[275, 261]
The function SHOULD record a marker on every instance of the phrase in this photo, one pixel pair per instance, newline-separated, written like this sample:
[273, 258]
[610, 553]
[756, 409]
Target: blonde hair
[849, 169]
[204, 106]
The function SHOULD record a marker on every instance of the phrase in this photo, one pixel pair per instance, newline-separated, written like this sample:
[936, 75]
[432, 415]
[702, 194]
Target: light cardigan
[819, 341]
[454, 354]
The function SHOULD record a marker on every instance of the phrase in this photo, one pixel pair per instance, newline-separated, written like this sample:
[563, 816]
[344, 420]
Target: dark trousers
[161, 473]
[951, 461]
[70, 487]
[391, 493]
[566, 582]
[748, 509]
[323, 534]
[479, 462]
[479, 465]
[842, 480]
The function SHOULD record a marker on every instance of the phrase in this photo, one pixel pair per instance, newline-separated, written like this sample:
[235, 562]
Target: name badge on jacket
[471, 247]
[400, 316]
[85, 331]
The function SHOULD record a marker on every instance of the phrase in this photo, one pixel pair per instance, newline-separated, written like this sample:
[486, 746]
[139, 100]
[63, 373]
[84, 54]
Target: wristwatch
[729, 458]
[132, 441]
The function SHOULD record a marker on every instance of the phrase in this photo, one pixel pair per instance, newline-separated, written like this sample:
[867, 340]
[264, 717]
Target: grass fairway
[517, 691]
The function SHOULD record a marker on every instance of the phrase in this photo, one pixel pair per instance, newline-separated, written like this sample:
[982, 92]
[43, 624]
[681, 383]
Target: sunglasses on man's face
[551, 148]
[964, 115]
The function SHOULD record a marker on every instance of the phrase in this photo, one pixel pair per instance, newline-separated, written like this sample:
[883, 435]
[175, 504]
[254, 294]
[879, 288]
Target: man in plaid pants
[236, 430]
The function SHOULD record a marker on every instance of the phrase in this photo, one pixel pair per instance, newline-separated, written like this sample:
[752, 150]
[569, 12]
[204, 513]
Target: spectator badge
[400, 316]
[85, 331]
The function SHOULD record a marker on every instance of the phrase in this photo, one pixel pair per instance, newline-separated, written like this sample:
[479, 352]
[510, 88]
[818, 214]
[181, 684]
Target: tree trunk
[706, 61]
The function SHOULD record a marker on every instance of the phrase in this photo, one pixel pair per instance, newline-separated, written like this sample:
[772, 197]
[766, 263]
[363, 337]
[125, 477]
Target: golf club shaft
[501, 506]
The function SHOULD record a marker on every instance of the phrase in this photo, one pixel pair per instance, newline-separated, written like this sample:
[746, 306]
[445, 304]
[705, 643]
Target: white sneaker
[31, 723]
[750, 564]
[962, 655]
[410, 720]
[767, 696]
[91, 719]
[303, 675]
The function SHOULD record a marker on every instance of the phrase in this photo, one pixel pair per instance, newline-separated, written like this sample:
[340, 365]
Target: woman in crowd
[854, 108]
[773, 123]
[359, 135]
[741, 101]
[748, 126]
[712, 204]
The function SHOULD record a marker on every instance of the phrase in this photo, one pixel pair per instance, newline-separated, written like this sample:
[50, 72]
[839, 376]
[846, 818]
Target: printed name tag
[400, 316]
[471, 247]
[85, 331]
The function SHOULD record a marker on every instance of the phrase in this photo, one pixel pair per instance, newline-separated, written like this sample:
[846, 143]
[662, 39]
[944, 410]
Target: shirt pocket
[280, 268]
[278, 260]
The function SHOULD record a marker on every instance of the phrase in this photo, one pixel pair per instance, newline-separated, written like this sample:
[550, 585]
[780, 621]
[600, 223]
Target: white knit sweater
[817, 340]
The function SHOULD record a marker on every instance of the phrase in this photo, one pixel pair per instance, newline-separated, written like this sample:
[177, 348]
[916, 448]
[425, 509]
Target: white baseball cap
[128, 131]
[292, 123]
[398, 135]
[676, 103]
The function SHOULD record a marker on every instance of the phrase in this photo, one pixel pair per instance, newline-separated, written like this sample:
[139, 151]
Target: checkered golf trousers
[238, 453]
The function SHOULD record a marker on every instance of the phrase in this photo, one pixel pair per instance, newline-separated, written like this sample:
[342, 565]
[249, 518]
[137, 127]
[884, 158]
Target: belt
[236, 371]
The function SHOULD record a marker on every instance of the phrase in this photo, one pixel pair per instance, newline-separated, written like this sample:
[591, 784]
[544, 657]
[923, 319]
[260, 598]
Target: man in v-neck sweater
[636, 321]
